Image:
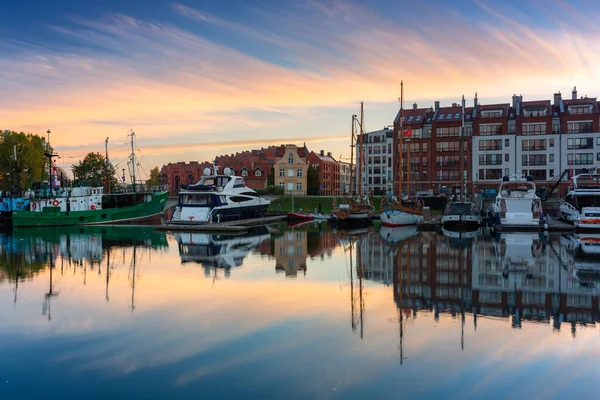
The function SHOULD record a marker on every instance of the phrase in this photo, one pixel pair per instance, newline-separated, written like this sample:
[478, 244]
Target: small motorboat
[300, 216]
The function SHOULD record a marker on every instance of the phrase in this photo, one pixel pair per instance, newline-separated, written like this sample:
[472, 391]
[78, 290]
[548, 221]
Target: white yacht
[517, 204]
[581, 205]
[218, 198]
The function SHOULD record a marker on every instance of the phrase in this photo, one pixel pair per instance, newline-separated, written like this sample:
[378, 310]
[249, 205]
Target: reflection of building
[290, 252]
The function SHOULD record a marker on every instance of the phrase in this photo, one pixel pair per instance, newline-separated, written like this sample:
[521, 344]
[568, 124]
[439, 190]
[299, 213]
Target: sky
[196, 79]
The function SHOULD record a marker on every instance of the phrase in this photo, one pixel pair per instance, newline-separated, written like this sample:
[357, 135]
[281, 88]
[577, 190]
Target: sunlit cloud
[297, 76]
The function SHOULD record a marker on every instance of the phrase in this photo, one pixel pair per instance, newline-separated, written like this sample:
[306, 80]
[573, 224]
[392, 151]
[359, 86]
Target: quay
[239, 226]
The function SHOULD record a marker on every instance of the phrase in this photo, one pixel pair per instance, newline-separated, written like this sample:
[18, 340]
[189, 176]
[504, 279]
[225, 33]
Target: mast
[461, 151]
[401, 133]
[360, 157]
[133, 161]
[352, 158]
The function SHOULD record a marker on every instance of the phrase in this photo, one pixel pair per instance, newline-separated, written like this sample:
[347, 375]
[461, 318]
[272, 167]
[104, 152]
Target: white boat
[517, 204]
[581, 205]
[217, 198]
[391, 217]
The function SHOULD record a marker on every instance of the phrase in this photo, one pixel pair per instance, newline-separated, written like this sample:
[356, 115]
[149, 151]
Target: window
[580, 158]
[281, 184]
[506, 171]
[447, 161]
[290, 173]
[533, 112]
[551, 173]
[506, 157]
[551, 142]
[258, 172]
[551, 157]
[299, 173]
[580, 143]
[487, 145]
[244, 172]
[534, 159]
[491, 114]
[447, 175]
[580, 127]
[506, 142]
[490, 129]
[290, 186]
[534, 129]
[490, 159]
[291, 159]
[447, 146]
[490, 174]
[447, 132]
[538, 174]
[555, 129]
[281, 172]
[533, 145]
[576, 110]
[299, 186]
[389, 147]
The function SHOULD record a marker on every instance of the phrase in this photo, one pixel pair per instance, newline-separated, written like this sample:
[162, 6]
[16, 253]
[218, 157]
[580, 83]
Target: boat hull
[461, 222]
[227, 214]
[300, 216]
[396, 218]
[146, 213]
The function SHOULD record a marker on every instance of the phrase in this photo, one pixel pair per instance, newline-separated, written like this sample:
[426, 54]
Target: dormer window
[535, 112]
[244, 172]
[585, 109]
[258, 172]
[491, 114]
[291, 159]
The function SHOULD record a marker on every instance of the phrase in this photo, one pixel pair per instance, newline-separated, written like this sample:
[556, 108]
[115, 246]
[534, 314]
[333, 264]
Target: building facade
[291, 168]
[329, 172]
[376, 172]
[346, 173]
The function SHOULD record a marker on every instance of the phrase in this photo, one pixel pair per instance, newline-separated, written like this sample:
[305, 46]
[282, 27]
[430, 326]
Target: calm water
[302, 312]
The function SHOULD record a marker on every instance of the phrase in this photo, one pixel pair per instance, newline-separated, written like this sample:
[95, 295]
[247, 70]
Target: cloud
[299, 73]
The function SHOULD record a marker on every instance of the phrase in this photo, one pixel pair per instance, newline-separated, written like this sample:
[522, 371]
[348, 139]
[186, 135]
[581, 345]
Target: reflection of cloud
[173, 82]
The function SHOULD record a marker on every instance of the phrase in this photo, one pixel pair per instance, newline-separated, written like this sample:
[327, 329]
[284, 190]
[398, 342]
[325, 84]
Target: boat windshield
[193, 198]
[588, 201]
[219, 181]
[460, 208]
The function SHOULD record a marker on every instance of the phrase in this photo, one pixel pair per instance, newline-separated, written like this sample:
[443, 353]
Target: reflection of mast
[400, 315]
[462, 294]
[133, 279]
[359, 272]
[353, 323]
[17, 282]
[48, 296]
[107, 271]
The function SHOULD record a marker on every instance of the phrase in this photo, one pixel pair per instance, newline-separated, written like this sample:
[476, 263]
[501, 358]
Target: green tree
[30, 164]
[312, 181]
[271, 177]
[154, 179]
[94, 170]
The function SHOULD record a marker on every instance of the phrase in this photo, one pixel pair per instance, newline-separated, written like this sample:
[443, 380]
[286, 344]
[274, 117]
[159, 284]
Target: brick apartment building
[329, 172]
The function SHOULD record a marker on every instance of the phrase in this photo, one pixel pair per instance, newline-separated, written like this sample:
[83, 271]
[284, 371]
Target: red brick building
[181, 173]
[329, 172]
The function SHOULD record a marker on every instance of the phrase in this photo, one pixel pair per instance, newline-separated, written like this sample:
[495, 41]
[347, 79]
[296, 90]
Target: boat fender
[33, 206]
[55, 203]
[93, 207]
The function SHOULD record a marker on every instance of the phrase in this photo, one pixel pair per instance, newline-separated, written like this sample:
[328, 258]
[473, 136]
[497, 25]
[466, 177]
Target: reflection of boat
[460, 234]
[518, 251]
[320, 216]
[218, 251]
[585, 252]
[300, 216]
[461, 215]
[399, 234]
[582, 204]
[516, 203]
[217, 198]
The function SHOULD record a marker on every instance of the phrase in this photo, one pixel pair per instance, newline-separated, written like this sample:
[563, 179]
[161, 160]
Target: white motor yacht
[581, 205]
[517, 204]
[218, 198]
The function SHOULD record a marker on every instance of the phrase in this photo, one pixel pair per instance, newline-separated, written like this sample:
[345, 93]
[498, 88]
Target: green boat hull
[144, 213]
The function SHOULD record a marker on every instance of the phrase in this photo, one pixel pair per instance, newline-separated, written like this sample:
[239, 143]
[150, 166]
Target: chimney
[574, 93]
[437, 105]
[475, 101]
[322, 153]
[414, 106]
[557, 99]
[328, 154]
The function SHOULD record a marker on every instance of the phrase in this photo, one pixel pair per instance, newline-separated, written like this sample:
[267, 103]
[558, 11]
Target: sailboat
[396, 211]
[357, 210]
[461, 214]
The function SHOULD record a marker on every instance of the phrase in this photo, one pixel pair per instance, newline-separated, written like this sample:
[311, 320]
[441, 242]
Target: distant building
[376, 174]
[291, 168]
[329, 172]
[181, 173]
[345, 174]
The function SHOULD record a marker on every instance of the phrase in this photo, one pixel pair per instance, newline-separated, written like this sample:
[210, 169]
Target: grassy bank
[308, 203]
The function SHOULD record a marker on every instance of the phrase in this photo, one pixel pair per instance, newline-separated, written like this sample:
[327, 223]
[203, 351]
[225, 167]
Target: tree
[271, 177]
[94, 170]
[154, 179]
[30, 164]
[312, 181]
